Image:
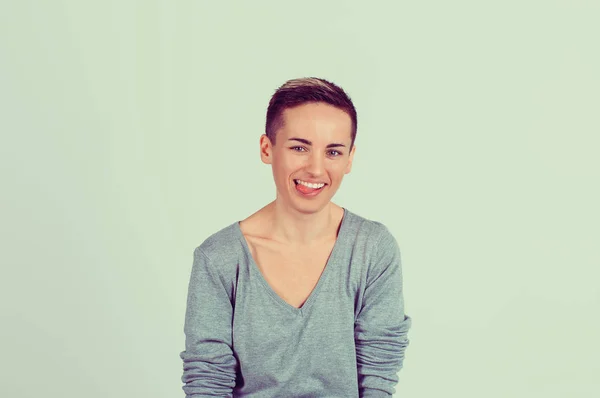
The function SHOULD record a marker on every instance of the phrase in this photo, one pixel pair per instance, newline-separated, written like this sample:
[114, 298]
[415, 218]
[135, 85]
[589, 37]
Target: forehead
[316, 118]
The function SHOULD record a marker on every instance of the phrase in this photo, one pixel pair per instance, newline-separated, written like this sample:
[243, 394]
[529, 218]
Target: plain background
[130, 133]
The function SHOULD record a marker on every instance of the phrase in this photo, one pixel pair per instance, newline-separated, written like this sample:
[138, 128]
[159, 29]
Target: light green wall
[130, 133]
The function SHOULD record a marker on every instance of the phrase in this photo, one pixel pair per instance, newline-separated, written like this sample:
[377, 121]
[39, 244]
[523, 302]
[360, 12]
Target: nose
[316, 165]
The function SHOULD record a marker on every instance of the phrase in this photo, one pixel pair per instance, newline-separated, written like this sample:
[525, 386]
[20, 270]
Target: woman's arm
[209, 366]
[381, 327]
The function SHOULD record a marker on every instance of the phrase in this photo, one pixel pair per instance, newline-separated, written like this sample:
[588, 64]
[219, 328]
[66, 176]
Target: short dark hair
[296, 92]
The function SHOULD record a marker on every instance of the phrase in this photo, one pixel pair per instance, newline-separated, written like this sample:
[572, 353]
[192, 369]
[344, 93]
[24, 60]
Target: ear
[266, 151]
[350, 160]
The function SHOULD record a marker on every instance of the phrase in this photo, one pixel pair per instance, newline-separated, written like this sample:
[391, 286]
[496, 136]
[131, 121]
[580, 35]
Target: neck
[294, 228]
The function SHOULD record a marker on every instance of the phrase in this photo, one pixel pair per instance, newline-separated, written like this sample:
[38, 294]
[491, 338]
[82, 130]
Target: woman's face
[314, 145]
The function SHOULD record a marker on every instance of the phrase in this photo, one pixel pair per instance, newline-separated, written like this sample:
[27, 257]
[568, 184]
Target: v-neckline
[311, 297]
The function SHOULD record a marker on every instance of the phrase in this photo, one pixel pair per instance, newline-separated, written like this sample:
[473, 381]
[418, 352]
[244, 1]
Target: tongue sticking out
[305, 189]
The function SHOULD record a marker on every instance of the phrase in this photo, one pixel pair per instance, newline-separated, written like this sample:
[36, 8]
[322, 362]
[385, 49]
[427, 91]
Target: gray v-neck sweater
[347, 340]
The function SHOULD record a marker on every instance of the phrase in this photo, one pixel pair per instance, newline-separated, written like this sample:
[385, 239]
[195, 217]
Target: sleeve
[381, 327]
[209, 366]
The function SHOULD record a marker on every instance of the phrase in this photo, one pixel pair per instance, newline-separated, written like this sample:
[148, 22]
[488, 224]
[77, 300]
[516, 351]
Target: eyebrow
[307, 142]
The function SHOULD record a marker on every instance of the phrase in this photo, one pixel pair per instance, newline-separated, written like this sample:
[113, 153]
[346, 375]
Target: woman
[303, 298]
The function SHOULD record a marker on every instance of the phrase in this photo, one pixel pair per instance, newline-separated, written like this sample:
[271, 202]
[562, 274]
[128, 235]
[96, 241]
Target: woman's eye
[295, 148]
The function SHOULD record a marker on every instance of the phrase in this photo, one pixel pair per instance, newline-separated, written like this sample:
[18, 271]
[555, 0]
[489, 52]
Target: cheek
[289, 166]
[338, 170]
[283, 169]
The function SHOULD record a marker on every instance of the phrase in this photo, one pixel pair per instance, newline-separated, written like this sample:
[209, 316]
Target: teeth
[310, 185]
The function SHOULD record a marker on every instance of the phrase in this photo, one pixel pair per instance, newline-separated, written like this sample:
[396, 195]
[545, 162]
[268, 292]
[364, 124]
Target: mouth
[296, 181]
[308, 191]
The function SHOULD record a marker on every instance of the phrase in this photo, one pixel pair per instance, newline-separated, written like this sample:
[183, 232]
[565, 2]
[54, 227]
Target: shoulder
[221, 247]
[373, 233]
[376, 246]
[216, 261]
